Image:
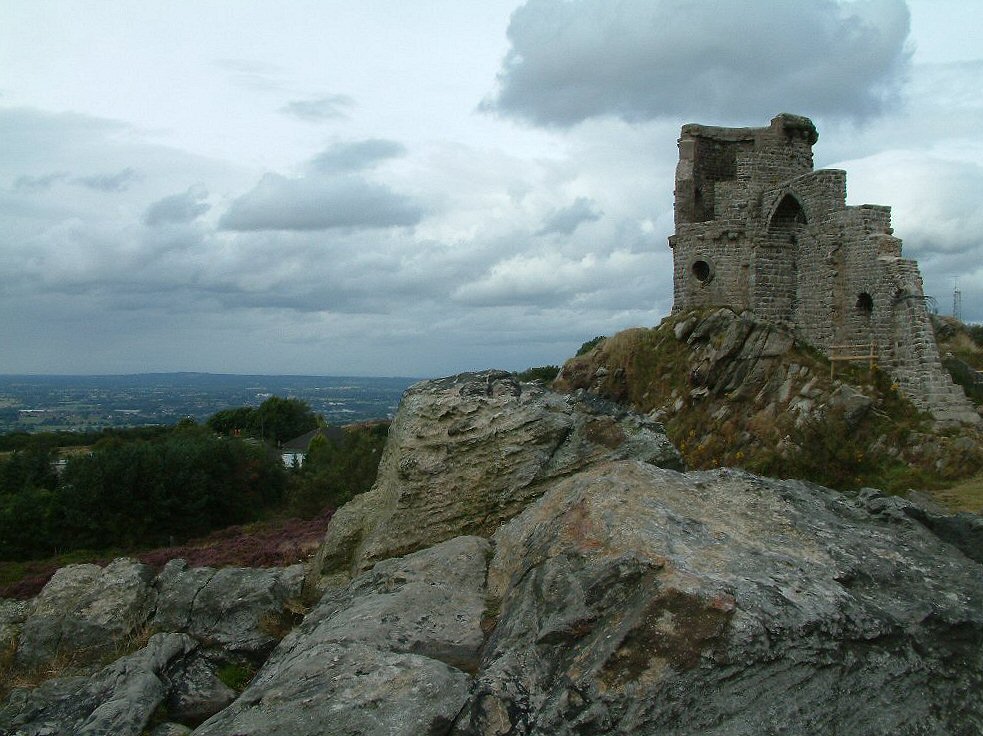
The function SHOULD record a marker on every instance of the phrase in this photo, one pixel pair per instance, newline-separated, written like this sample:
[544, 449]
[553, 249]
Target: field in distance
[50, 403]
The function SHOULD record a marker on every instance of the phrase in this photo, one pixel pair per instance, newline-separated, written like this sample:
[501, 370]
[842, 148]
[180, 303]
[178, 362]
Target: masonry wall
[757, 229]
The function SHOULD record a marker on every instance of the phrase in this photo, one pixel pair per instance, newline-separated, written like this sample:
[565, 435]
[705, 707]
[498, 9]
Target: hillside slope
[738, 392]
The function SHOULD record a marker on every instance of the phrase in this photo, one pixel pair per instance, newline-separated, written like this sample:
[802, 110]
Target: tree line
[143, 489]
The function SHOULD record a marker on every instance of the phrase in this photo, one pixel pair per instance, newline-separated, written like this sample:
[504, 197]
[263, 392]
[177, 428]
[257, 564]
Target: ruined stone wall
[757, 229]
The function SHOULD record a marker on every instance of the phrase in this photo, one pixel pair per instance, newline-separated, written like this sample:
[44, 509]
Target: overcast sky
[386, 187]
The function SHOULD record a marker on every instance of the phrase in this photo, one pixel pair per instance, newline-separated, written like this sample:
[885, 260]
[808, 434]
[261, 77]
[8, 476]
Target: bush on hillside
[334, 471]
[544, 373]
[136, 494]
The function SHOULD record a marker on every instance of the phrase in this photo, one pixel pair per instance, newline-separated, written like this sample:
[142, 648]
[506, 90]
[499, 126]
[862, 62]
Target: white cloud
[409, 226]
[551, 279]
[571, 60]
[357, 155]
[567, 219]
[115, 182]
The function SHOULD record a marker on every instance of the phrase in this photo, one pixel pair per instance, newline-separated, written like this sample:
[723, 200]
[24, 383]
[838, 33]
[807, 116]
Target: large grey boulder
[634, 599]
[468, 452]
[196, 692]
[117, 701]
[87, 612]
[235, 609]
[388, 654]
[87, 615]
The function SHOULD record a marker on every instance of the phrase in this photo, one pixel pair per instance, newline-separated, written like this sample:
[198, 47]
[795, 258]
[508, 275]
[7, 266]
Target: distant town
[47, 403]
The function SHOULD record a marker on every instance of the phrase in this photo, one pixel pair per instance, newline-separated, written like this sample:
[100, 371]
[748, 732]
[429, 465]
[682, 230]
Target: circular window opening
[865, 303]
[701, 270]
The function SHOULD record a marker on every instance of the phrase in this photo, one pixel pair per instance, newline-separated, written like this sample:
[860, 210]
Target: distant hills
[35, 403]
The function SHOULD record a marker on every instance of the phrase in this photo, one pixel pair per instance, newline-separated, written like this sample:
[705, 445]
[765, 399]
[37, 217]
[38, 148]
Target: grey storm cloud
[319, 203]
[329, 107]
[39, 182]
[571, 60]
[177, 208]
[117, 182]
[564, 221]
[357, 155]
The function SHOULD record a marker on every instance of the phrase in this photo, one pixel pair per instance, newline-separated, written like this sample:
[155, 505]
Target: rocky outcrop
[639, 600]
[86, 612]
[235, 609]
[604, 595]
[88, 615]
[634, 599]
[388, 654]
[469, 452]
[116, 701]
[735, 391]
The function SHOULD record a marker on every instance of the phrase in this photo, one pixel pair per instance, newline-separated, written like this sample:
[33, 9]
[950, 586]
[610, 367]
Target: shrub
[335, 471]
[590, 345]
[136, 494]
[544, 373]
[235, 675]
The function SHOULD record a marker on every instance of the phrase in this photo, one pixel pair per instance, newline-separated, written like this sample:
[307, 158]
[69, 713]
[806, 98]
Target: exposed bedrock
[632, 599]
[469, 452]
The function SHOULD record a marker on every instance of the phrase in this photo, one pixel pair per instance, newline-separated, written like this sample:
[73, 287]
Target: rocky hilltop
[534, 563]
[737, 391]
[470, 452]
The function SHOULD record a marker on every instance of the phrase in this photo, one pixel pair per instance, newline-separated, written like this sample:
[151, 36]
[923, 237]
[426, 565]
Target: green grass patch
[235, 675]
[966, 495]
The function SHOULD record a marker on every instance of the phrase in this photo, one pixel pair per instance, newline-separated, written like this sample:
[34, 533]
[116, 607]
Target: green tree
[26, 524]
[276, 420]
[32, 467]
[232, 421]
[280, 419]
[335, 471]
[140, 493]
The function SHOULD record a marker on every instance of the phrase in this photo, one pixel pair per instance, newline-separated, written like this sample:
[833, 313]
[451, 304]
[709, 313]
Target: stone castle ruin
[758, 229]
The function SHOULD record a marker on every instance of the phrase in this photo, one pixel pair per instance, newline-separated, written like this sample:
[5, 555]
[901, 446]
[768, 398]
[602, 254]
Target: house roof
[303, 443]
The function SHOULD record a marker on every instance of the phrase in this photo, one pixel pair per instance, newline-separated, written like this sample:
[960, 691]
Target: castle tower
[758, 229]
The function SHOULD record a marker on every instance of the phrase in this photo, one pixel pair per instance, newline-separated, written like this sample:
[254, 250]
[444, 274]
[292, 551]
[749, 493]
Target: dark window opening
[701, 270]
[865, 303]
[788, 215]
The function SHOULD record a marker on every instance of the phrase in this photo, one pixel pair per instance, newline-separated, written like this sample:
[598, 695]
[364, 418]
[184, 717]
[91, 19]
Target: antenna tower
[957, 302]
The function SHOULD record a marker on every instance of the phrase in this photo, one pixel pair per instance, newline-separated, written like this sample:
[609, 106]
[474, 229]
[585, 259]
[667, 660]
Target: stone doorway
[776, 273]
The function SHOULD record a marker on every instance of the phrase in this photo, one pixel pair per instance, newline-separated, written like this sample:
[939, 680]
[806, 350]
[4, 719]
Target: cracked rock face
[87, 615]
[388, 654]
[86, 611]
[634, 599]
[115, 701]
[469, 452]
